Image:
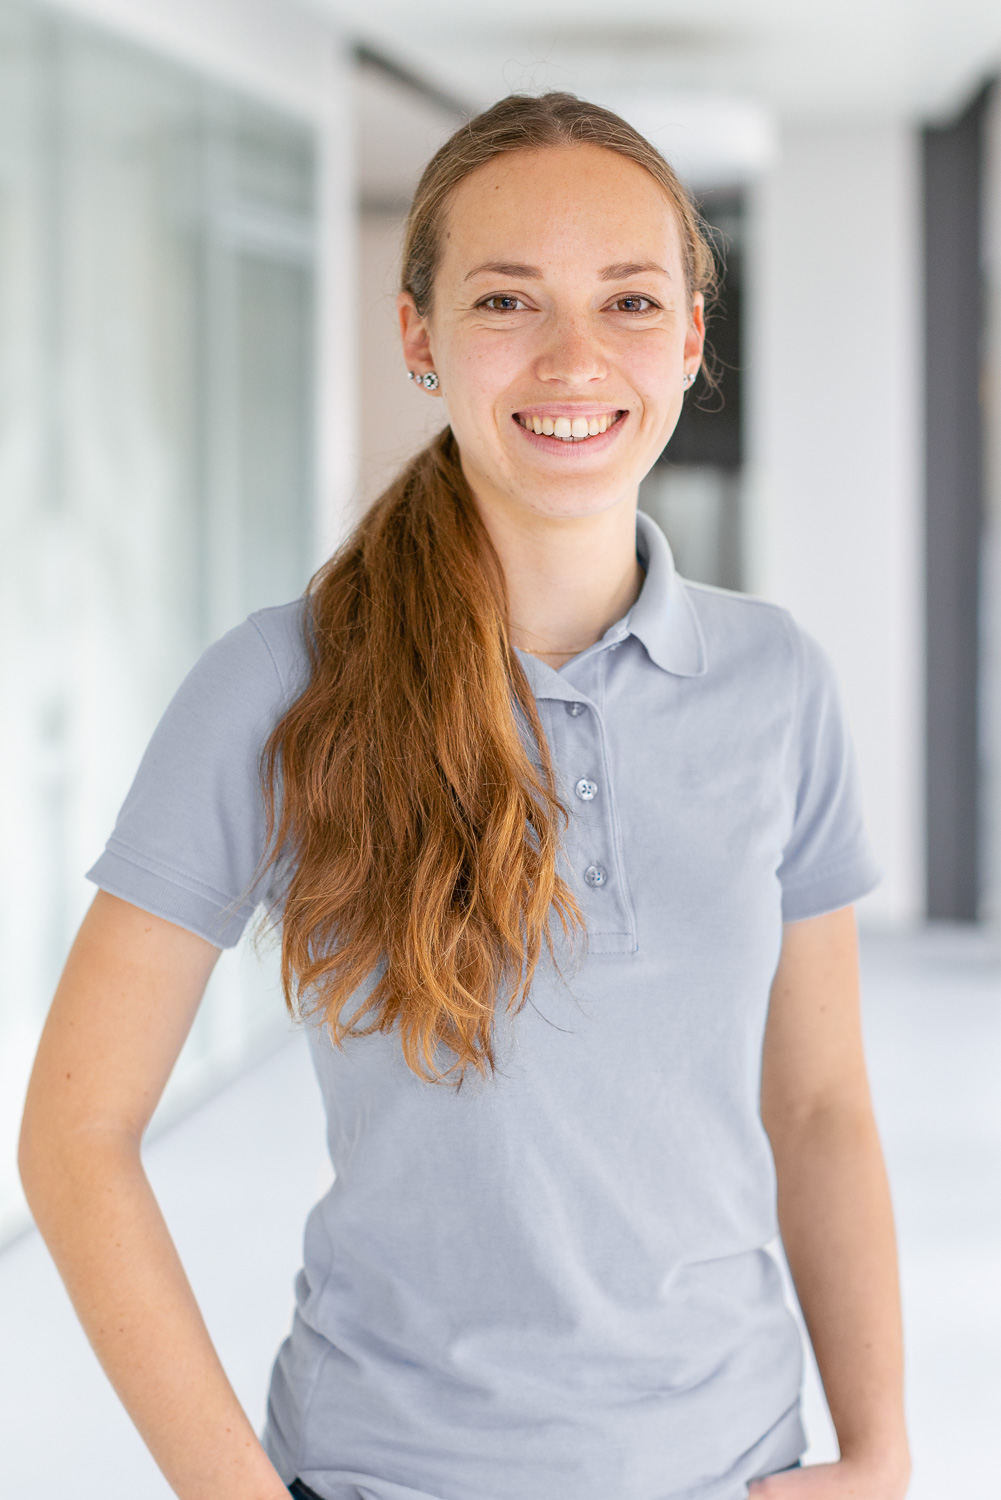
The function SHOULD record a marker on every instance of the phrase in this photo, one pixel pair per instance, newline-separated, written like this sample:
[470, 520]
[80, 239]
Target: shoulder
[741, 629]
[760, 647]
[281, 631]
[238, 688]
[255, 667]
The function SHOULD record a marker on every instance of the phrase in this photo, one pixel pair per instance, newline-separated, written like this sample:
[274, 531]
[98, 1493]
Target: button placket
[596, 859]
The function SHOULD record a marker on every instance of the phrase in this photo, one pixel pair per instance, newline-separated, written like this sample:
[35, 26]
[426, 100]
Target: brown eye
[633, 304]
[502, 303]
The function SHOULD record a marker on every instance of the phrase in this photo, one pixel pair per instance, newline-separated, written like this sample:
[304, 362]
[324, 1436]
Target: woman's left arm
[834, 1211]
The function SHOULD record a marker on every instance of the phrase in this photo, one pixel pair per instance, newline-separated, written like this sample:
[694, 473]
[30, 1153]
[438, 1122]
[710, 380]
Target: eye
[502, 302]
[634, 303]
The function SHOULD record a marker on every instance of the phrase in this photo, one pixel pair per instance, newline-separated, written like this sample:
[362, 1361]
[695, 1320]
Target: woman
[552, 835]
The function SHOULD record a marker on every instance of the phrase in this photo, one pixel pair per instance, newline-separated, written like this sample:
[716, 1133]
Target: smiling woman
[563, 850]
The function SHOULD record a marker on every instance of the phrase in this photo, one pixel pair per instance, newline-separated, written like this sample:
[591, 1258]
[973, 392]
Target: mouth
[556, 427]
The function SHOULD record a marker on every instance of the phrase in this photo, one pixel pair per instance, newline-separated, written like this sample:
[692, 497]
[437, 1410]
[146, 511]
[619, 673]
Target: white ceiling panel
[829, 58]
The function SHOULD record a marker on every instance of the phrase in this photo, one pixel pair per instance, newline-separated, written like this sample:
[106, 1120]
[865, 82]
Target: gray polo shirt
[554, 1282]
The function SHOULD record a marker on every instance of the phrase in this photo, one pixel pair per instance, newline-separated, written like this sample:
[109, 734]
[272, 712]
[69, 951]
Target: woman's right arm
[124, 1005]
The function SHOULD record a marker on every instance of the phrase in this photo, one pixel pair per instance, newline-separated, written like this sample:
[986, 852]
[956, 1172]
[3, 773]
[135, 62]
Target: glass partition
[156, 393]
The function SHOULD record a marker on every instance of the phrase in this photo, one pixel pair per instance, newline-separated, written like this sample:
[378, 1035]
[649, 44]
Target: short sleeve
[191, 832]
[827, 861]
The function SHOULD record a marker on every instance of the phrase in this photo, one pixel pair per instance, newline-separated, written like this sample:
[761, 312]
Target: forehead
[582, 204]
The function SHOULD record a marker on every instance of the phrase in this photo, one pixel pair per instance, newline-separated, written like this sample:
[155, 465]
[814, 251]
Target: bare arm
[124, 1005]
[834, 1210]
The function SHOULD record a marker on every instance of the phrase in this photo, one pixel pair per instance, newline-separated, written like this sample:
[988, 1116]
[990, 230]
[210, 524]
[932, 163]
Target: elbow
[62, 1159]
[845, 1121]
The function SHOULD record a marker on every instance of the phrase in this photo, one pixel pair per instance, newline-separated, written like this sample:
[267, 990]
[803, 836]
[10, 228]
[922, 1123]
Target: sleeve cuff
[161, 897]
[835, 887]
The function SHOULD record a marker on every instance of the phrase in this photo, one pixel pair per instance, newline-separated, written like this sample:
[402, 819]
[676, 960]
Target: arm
[124, 1005]
[834, 1211]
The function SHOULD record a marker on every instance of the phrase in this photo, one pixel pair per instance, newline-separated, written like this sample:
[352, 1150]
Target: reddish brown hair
[420, 837]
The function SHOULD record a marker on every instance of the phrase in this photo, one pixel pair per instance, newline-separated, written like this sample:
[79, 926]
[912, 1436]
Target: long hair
[419, 834]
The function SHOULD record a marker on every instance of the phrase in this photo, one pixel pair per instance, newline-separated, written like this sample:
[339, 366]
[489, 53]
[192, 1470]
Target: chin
[574, 499]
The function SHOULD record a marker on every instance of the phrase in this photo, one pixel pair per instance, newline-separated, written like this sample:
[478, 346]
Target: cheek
[487, 364]
[480, 373]
[653, 367]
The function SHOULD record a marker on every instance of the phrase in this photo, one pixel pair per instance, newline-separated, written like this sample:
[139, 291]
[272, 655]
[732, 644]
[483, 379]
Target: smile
[566, 429]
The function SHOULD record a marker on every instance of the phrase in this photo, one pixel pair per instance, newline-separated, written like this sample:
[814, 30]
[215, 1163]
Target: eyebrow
[506, 268]
[621, 271]
[627, 268]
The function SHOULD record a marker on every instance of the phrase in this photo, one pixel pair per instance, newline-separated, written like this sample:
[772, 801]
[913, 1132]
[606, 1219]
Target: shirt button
[586, 790]
[595, 875]
[573, 709]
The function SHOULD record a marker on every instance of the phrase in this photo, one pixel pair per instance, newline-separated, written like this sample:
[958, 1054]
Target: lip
[557, 447]
[569, 409]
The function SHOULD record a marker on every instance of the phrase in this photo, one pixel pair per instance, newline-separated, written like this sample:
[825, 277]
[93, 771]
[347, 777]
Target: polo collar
[663, 619]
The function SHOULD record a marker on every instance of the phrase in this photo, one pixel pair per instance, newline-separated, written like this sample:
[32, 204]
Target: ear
[415, 337]
[695, 338]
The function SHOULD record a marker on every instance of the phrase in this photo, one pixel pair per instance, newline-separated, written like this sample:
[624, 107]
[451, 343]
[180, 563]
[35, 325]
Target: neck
[568, 579]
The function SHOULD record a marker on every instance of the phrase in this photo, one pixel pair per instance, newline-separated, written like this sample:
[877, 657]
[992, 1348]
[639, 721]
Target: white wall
[396, 419]
[835, 504]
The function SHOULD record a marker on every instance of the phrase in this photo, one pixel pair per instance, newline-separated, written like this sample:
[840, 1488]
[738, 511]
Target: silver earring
[688, 380]
[429, 381]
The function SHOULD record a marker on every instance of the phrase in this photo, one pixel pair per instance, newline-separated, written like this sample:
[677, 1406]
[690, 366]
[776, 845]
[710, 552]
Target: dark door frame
[954, 507]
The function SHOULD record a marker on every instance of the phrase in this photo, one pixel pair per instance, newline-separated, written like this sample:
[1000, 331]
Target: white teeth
[568, 430]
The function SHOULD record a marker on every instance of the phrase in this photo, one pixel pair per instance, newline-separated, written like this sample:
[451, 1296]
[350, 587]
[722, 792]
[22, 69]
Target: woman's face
[559, 301]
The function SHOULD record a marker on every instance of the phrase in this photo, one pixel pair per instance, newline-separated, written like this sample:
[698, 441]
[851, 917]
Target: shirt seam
[831, 867]
[796, 644]
[754, 600]
[164, 871]
[283, 685]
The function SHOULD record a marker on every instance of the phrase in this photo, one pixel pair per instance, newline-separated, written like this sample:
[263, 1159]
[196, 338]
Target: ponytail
[423, 838]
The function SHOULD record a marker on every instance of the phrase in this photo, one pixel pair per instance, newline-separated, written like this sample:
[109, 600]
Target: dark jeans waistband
[303, 1492]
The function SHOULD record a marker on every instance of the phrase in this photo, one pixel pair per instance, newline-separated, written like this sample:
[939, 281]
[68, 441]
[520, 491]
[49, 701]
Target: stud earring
[429, 381]
[688, 380]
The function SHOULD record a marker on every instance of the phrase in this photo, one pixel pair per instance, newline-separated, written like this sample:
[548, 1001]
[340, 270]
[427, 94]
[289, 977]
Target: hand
[849, 1479]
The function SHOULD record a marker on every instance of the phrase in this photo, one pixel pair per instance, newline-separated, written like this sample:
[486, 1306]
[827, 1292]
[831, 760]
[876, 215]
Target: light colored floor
[237, 1177]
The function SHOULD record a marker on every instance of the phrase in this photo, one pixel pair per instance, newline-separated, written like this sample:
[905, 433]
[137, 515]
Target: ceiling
[819, 58]
[710, 85]
[396, 131]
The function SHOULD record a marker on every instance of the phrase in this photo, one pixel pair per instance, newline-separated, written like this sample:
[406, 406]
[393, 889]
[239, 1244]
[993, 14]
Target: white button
[586, 790]
[595, 875]
[573, 709]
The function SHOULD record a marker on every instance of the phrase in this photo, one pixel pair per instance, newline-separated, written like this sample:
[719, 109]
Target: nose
[573, 355]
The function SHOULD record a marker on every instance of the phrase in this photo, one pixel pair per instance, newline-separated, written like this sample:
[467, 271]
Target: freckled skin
[564, 336]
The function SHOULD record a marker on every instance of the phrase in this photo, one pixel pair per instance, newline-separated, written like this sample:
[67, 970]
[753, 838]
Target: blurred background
[200, 216]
